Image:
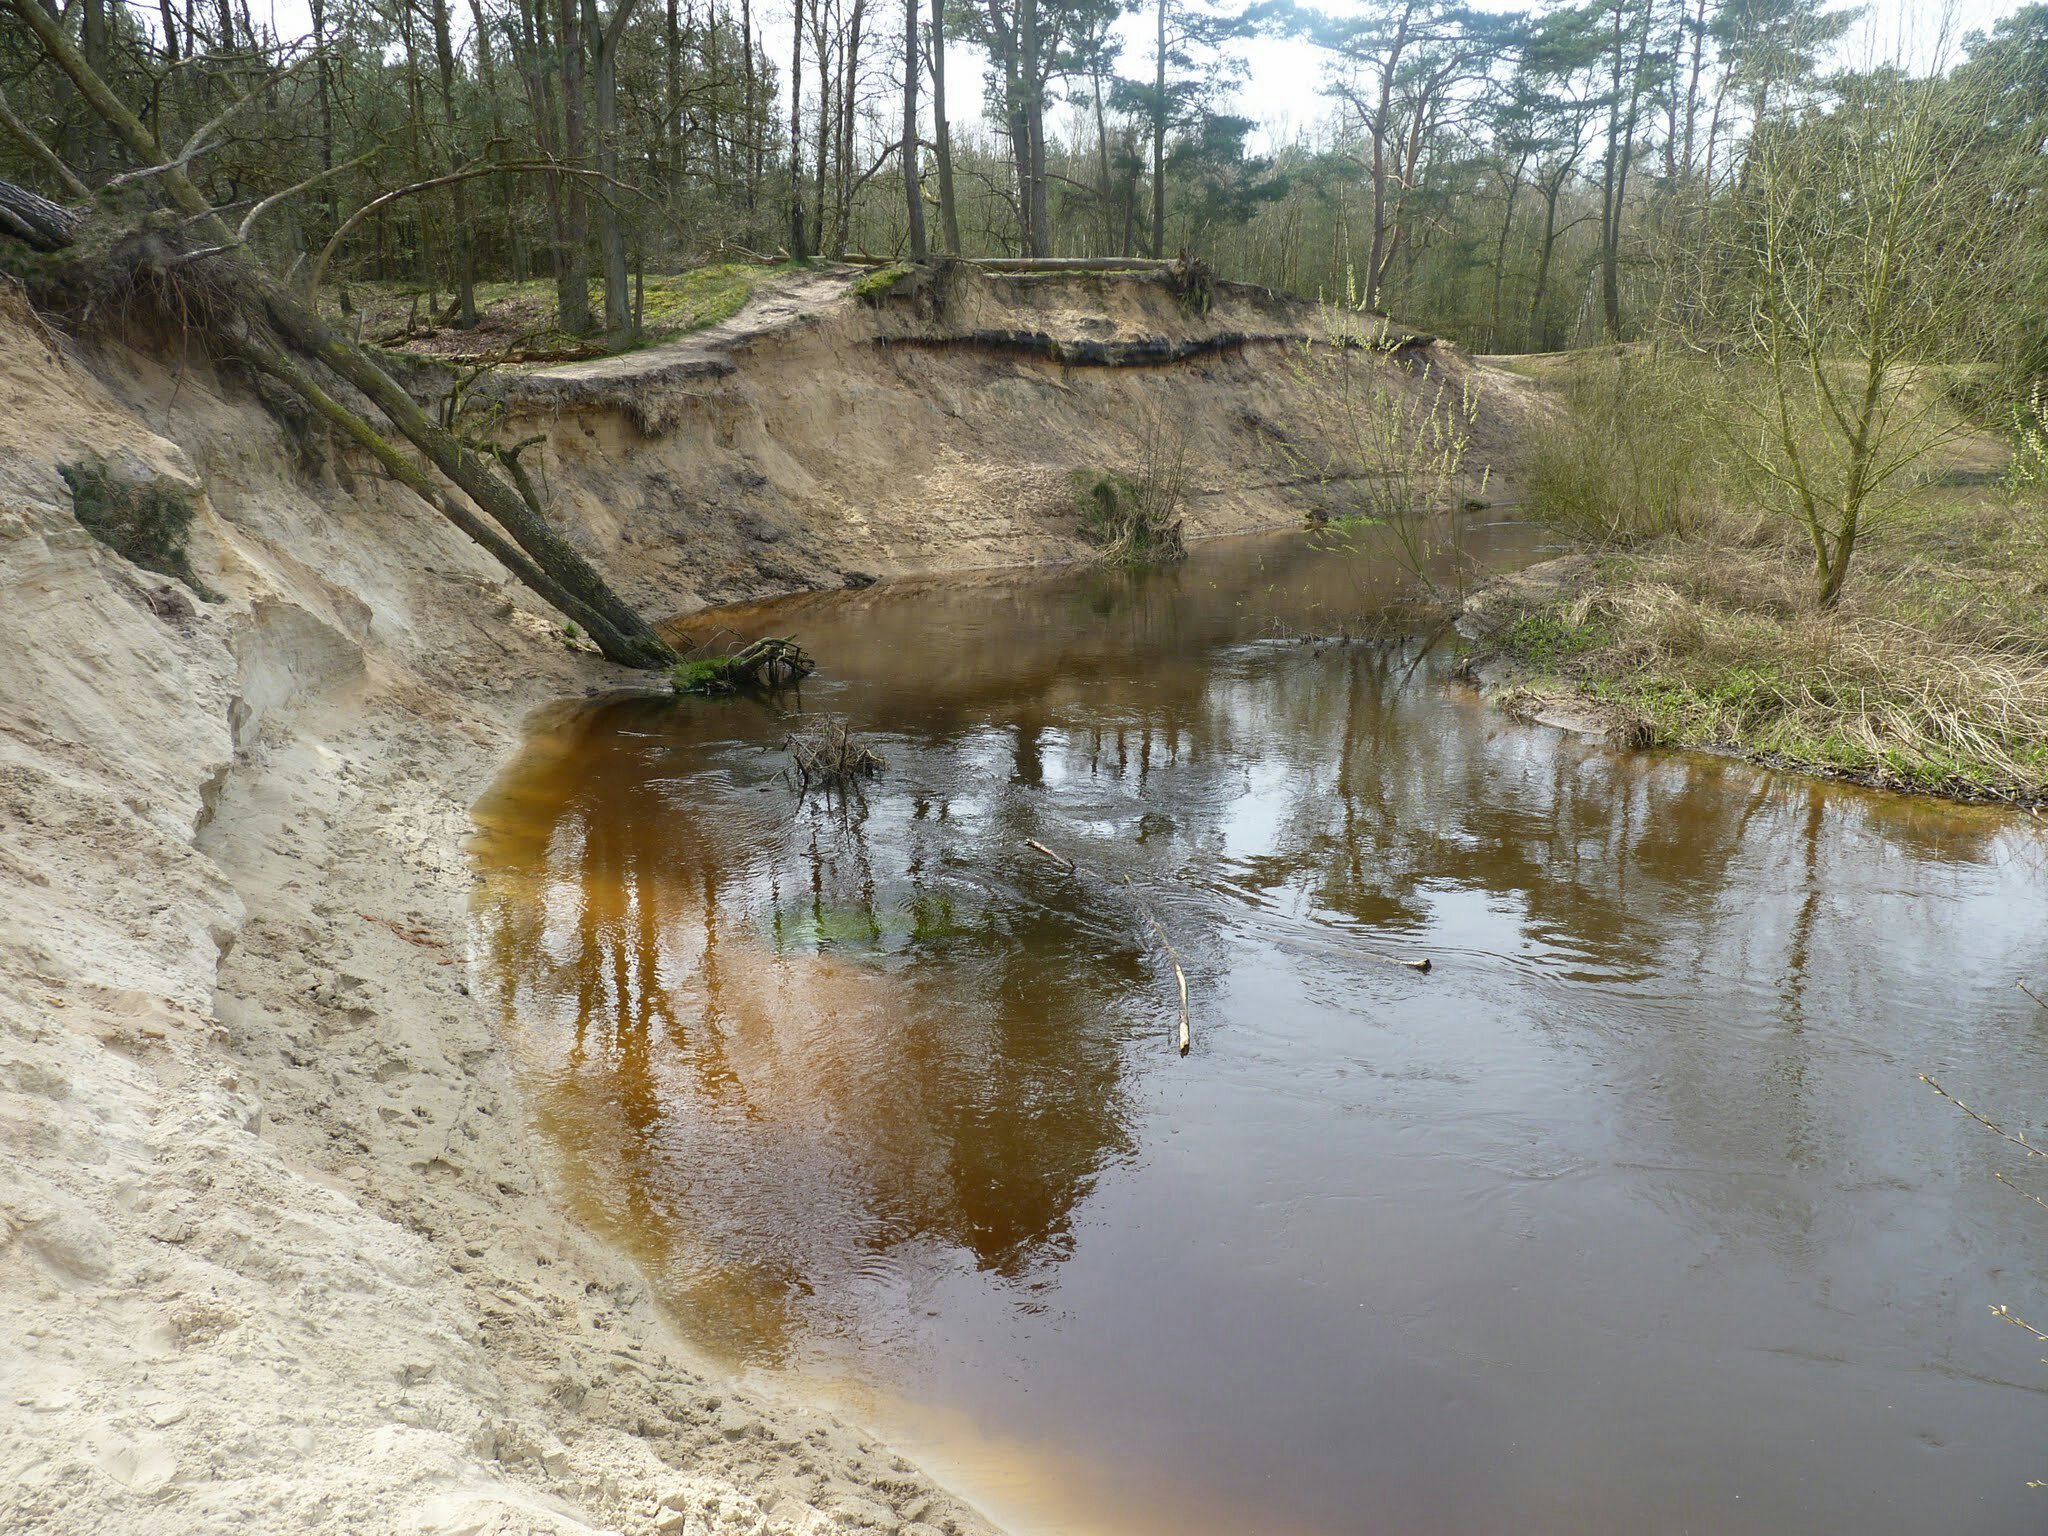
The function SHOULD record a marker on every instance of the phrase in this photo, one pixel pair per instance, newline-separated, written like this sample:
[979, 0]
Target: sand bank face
[275, 1250]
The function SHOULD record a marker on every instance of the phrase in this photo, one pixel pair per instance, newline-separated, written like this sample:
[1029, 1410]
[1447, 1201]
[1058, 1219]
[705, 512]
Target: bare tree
[1867, 250]
[913, 189]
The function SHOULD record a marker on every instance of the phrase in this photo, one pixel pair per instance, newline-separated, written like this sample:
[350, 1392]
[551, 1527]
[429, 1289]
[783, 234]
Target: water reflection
[1633, 1205]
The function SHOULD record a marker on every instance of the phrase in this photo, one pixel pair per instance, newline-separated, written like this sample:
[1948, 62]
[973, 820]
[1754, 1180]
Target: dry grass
[1932, 674]
[1136, 519]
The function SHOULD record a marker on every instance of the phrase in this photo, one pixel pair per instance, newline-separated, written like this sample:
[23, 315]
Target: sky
[1281, 91]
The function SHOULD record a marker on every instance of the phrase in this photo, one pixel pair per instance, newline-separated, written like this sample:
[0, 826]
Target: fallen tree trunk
[1022, 264]
[36, 221]
[620, 632]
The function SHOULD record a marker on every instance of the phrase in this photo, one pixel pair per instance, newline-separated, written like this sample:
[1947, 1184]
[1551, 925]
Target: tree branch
[316, 270]
[40, 151]
[292, 191]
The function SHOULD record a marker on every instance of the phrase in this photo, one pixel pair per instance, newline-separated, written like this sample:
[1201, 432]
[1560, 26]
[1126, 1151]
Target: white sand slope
[275, 1253]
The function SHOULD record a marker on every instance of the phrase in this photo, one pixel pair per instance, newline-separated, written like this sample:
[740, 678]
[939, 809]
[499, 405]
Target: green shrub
[1634, 453]
[146, 523]
[1135, 519]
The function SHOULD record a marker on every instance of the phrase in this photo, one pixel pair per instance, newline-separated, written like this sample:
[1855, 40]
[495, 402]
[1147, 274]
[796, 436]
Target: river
[1631, 1214]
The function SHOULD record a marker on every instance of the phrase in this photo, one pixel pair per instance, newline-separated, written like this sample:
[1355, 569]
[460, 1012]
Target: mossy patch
[708, 677]
[690, 301]
[871, 287]
[145, 522]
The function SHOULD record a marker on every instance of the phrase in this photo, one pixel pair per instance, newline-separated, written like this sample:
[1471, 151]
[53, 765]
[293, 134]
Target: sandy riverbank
[277, 1246]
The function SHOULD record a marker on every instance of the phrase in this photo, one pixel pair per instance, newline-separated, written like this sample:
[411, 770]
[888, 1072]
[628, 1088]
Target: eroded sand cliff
[277, 1246]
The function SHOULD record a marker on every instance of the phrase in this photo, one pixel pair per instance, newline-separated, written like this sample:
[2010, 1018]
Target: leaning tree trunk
[549, 565]
[536, 554]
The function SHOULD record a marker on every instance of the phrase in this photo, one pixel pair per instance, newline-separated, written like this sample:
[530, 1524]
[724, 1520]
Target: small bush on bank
[1135, 519]
[1634, 453]
[146, 523]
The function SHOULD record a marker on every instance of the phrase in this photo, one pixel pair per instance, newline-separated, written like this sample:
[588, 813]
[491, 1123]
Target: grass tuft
[1930, 675]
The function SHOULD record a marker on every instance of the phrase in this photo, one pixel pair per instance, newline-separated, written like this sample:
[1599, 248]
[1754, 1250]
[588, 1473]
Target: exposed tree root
[770, 662]
[1144, 352]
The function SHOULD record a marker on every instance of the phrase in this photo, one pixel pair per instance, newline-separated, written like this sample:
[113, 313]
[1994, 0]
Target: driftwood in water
[832, 757]
[774, 661]
[771, 662]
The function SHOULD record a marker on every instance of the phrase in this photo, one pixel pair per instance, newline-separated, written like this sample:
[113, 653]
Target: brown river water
[1631, 1215]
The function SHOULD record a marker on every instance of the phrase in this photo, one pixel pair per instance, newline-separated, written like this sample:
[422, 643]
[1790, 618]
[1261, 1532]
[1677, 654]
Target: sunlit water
[1631, 1215]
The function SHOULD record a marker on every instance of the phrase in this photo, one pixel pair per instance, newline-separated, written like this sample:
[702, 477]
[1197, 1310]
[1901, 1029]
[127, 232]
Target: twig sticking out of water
[1058, 858]
[832, 757]
[2019, 1140]
[2033, 994]
[1179, 975]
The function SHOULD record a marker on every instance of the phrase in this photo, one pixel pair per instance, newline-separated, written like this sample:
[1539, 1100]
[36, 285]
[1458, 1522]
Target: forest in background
[1816, 472]
[1522, 180]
